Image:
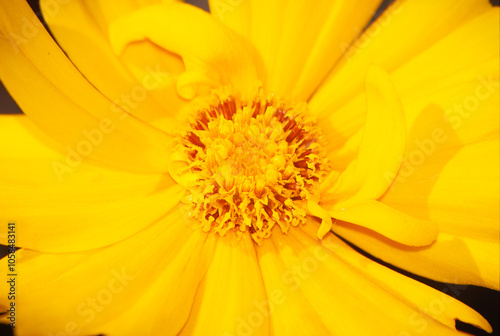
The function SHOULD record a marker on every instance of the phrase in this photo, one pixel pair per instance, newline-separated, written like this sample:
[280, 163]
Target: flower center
[250, 165]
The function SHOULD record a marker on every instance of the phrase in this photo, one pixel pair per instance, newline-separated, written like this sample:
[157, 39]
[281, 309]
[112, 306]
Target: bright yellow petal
[231, 289]
[367, 178]
[382, 145]
[459, 191]
[60, 204]
[332, 41]
[266, 34]
[457, 188]
[170, 298]
[454, 86]
[153, 73]
[212, 54]
[450, 95]
[236, 14]
[420, 297]
[284, 302]
[106, 11]
[158, 270]
[451, 258]
[298, 52]
[65, 105]
[457, 77]
[430, 21]
[389, 222]
[347, 294]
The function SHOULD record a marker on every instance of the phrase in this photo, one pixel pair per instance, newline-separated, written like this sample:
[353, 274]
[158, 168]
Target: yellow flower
[180, 172]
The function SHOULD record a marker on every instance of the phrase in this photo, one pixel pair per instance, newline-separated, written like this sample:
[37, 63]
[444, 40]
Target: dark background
[483, 300]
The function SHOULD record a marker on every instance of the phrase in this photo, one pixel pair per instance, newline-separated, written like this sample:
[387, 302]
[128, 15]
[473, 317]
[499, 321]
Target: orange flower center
[250, 165]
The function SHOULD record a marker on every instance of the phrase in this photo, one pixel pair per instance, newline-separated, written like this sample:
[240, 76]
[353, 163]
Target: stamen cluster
[255, 164]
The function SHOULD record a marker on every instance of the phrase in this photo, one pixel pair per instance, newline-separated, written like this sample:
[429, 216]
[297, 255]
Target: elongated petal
[452, 258]
[463, 201]
[389, 222]
[284, 301]
[232, 286]
[212, 54]
[172, 307]
[430, 22]
[455, 188]
[167, 256]
[65, 105]
[299, 68]
[424, 299]
[347, 294]
[297, 51]
[139, 85]
[104, 12]
[332, 42]
[236, 14]
[60, 204]
[453, 83]
[382, 145]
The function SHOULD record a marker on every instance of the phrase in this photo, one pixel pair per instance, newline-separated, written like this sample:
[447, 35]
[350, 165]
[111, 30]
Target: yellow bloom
[180, 172]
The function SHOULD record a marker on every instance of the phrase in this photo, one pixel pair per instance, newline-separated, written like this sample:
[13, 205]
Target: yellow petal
[458, 77]
[331, 280]
[459, 191]
[233, 290]
[420, 297]
[152, 74]
[104, 12]
[319, 38]
[285, 302]
[454, 188]
[158, 270]
[429, 22]
[297, 53]
[439, 181]
[389, 222]
[65, 105]
[460, 92]
[381, 148]
[207, 47]
[236, 14]
[266, 33]
[170, 298]
[330, 43]
[326, 221]
[451, 258]
[60, 204]
[158, 70]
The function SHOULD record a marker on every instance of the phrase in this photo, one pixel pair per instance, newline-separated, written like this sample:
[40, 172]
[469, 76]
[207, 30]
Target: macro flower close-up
[258, 168]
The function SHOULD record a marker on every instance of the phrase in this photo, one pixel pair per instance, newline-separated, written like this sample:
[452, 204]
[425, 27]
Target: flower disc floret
[251, 165]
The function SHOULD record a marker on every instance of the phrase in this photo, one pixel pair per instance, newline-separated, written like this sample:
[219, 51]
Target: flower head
[184, 172]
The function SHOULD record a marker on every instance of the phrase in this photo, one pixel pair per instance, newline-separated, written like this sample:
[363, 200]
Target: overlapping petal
[429, 22]
[324, 280]
[450, 97]
[65, 105]
[213, 55]
[227, 300]
[143, 82]
[299, 40]
[62, 203]
[221, 285]
[98, 287]
[353, 197]
[460, 69]
[461, 196]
